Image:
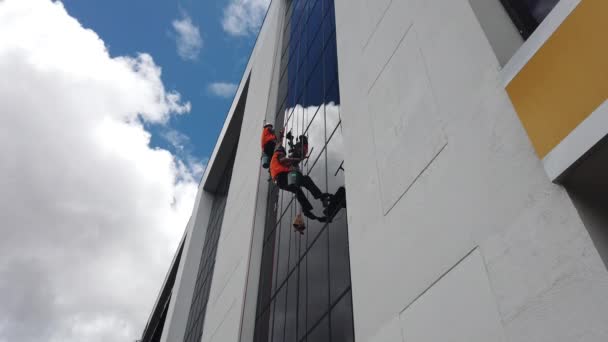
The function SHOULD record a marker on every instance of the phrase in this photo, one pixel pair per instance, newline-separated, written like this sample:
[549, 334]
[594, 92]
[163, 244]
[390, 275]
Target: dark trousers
[307, 183]
[269, 148]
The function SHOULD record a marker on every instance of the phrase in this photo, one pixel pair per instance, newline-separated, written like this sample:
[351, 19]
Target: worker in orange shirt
[280, 166]
[269, 141]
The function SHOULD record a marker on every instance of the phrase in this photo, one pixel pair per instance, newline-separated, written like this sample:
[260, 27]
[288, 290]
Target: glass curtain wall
[305, 284]
[528, 14]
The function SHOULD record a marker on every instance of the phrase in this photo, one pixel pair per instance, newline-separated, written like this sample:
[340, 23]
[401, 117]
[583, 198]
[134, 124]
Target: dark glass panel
[314, 21]
[318, 281]
[283, 74]
[320, 333]
[302, 298]
[328, 5]
[272, 212]
[540, 8]
[528, 14]
[301, 86]
[266, 275]
[286, 237]
[291, 79]
[291, 309]
[262, 333]
[286, 201]
[329, 21]
[342, 329]
[297, 24]
[275, 259]
[330, 61]
[315, 84]
[279, 316]
[339, 264]
[294, 249]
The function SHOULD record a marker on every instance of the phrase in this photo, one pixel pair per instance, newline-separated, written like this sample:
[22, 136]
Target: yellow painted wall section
[566, 80]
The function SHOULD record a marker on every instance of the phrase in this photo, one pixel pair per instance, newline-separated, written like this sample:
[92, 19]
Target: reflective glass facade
[528, 14]
[305, 286]
[196, 318]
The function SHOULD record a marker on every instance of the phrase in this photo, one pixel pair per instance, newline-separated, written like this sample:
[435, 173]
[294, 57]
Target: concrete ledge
[577, 143]
[544, 31]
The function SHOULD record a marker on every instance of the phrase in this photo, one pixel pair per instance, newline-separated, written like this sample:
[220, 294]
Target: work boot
[324, 219]
[326, 199]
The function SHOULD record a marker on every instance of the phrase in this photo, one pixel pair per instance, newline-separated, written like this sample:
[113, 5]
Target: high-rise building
[469, 137]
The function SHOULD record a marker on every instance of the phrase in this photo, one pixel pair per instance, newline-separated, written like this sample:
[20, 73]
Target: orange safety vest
[267, 136]
[276, 167]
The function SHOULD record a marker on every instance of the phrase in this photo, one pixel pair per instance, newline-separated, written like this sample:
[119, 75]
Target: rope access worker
[281, 166]
[269, 141]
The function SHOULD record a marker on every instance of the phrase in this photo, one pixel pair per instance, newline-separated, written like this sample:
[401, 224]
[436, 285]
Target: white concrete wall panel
[546, 276]
[227, 295]
[485, 184]
[407, 134]
[460, 307]
[390, 332]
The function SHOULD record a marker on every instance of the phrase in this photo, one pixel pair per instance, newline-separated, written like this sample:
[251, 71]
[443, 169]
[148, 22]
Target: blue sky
[129, 27]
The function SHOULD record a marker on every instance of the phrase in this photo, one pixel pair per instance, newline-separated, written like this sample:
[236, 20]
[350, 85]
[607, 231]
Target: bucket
[265, 161]
[294, 178]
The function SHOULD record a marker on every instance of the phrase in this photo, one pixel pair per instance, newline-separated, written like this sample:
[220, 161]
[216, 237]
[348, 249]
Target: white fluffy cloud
[90, 213]
[188, 38]
[223, 89]
[244, 17]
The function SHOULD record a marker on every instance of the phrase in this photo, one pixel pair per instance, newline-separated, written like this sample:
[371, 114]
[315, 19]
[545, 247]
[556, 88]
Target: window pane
[320, 332]
[330, 60]
[294, 245]
[314, 21]
[528, 14]
[279, 316]
[302, 298]
[541, 8]
[342, 321]
[318, 282]
[286, 237]
[291, 309]
[328, 5]
[315, 80]
[261, 328]
[329, 22]
[339, 264]
[265, 276]
[275, 258]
